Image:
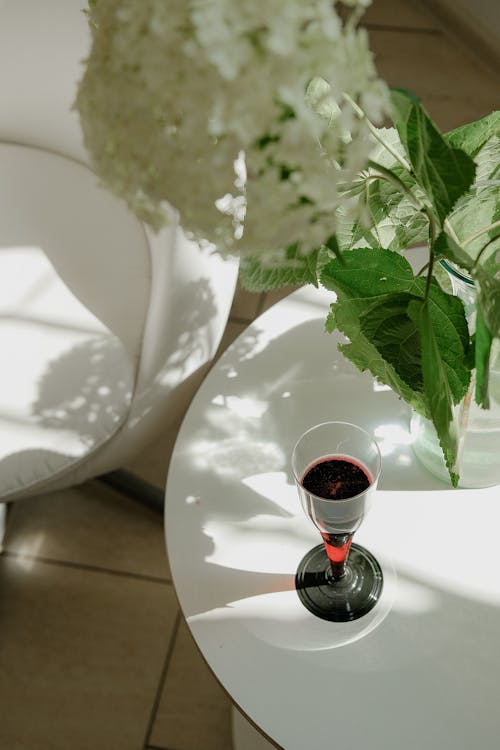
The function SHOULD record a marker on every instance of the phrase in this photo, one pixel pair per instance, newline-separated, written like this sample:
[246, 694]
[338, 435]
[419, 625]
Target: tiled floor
[94, 654]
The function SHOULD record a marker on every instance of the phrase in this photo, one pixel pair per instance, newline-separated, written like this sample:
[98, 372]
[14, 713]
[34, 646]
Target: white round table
[421, 671]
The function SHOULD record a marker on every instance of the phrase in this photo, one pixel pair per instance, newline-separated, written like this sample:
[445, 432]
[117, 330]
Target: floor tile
[245, 304]
[194, 711]
[82, 655]
[153, 462]
[233, 330]
[275, 295]
[89, 525]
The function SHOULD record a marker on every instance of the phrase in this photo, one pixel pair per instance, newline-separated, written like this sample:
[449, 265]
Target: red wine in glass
[337, 580]
[336, 478]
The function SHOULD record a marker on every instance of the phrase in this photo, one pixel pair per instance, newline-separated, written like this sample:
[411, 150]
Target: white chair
[105, 328]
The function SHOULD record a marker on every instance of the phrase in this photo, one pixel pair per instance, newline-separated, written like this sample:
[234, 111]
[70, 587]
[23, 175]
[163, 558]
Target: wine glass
[336, 466]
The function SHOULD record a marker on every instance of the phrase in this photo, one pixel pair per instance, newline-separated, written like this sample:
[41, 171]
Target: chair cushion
[70, 324]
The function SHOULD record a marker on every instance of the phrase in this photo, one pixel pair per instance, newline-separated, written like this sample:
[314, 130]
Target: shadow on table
[265, 393]
[239, 496]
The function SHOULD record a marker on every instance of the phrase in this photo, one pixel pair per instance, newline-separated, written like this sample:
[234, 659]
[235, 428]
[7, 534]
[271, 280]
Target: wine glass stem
[337, 548]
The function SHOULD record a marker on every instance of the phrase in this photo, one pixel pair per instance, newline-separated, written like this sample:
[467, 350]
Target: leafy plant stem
[423, 269]
[433, 234]
[395, 180]
[373, 130]
[367, 178]
[463, 422]
[428, 278]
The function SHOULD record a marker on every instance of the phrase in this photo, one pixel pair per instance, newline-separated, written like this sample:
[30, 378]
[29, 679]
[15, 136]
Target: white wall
[486, 13]
[478, 19]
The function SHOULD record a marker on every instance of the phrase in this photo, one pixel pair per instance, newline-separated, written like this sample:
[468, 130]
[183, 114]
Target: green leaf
[443, 172]
[479, 208]
[393, 222]
[396, 337]
[333, 246]
[447, 314]
[388, 142]
[260, 274]
[368, 274]
[436, 385]
[375, 291]
[365, 356]
[472, 136]
[483, 342]
[366, 278]
[390, 219]
[487, 160]
[403, 104]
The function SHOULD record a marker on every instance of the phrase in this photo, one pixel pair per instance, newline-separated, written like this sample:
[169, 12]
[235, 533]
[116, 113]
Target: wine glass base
[344, 600]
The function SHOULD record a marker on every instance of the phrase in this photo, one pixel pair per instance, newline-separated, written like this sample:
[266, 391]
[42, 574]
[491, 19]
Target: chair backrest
[136, 286]
[42, 46]
[164, 298]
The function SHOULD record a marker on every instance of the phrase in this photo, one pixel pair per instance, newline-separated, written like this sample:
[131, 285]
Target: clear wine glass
[336, 466]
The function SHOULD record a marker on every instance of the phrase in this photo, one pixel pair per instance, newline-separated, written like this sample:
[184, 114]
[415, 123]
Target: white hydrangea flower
[202, 104]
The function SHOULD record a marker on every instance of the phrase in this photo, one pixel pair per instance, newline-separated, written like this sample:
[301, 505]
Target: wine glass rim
[374, 478]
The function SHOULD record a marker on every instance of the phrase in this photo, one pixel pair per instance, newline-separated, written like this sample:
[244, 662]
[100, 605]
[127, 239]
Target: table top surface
[422, 669]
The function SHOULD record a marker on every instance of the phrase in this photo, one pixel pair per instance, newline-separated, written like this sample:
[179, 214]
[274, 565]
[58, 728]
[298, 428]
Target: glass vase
[478, 429]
